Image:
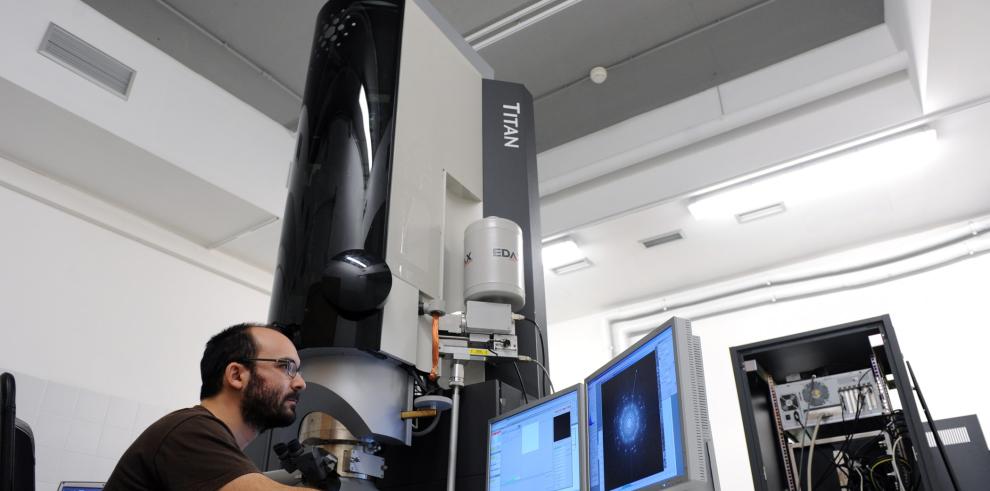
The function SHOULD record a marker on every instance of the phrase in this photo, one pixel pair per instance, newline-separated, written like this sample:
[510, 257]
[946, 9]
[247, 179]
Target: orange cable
[436, 348]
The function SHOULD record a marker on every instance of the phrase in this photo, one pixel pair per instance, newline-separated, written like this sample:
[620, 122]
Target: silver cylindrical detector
[493, 262]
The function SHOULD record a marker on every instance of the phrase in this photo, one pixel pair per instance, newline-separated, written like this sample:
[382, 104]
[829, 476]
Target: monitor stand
[712, 467]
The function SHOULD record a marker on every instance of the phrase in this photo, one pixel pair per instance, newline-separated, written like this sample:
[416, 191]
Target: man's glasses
[289, 366]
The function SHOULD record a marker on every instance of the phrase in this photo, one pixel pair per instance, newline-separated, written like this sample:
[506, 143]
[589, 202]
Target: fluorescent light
[572, 267]
[766, 211]
[515, 22]
[860, 167]
[560, 253]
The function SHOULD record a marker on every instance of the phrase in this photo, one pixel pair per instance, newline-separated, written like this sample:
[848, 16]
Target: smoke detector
[598, 74]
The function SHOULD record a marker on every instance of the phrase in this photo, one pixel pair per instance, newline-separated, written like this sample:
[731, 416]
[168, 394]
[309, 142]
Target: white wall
[938, 317]
[104, 332]
[171, 111]
[131, 318]
[909, 22]
[957, 61]
[79, 434]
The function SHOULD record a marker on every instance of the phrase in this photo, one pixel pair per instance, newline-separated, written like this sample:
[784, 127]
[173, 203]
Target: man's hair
[233, 344]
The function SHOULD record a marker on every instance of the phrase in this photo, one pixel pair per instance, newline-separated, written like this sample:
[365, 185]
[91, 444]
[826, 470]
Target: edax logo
[505, 253]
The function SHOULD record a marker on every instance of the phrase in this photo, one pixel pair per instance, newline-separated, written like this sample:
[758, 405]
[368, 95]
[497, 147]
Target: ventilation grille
[697, 373]
[77, 55]
[662, 239]
[949, 436]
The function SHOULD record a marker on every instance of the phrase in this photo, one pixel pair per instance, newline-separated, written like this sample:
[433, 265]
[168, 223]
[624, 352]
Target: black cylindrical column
[331, 279]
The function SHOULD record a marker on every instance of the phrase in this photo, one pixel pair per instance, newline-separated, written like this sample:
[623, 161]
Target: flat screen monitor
[647, 415]
[80, 486]
[541, 445]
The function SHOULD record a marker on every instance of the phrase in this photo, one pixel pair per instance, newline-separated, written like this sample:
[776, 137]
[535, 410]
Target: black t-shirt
[189, 449]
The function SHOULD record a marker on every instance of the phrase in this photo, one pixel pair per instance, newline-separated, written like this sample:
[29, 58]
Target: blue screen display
[537, 448]
[634, 419]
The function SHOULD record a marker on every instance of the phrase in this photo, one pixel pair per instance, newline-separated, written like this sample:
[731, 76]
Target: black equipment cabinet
[774, 457]
[423, 466]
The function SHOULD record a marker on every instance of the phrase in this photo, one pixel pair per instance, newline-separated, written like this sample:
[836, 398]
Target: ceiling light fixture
[561, 252]
[766, 211]
[662, 239]
[830, 172]
[516, 21]
[572, 267]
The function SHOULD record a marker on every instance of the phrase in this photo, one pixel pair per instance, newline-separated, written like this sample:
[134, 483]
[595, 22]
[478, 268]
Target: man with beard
[251, 382]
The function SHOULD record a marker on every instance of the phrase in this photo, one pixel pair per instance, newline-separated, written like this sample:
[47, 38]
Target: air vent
[79, 56]
[949, 436]
[662, 239]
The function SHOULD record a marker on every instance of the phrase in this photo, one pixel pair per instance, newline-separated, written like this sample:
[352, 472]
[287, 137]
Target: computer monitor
[16, 442]
[80, 486]
[541, 445]
[648, 416]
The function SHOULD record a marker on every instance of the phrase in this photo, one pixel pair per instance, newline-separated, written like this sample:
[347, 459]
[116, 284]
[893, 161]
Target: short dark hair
[233, 344]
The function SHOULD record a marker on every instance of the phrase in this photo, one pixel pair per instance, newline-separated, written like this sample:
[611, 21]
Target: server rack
[865, 344]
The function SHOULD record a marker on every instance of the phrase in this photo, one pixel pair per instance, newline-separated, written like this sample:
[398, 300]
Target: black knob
[294, 447]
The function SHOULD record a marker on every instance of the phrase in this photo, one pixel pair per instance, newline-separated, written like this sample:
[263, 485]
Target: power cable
[844, 449]
[543, 349]
[522, 385]
[545, 373]
[893, 461]
[811, 450]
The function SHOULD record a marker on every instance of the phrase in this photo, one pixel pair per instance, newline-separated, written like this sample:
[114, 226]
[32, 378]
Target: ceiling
[657, 52]
[951, 187]
[120, 172]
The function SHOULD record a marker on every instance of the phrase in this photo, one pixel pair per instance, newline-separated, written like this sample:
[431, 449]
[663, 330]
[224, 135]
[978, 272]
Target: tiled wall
[78, 434]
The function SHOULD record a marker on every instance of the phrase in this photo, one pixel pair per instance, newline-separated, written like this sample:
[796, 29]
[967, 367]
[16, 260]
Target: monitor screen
[537, 447]
[80, 486]
[634, 418]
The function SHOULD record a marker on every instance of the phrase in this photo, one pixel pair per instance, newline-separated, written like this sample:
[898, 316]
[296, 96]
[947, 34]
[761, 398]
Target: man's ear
[236, 376]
